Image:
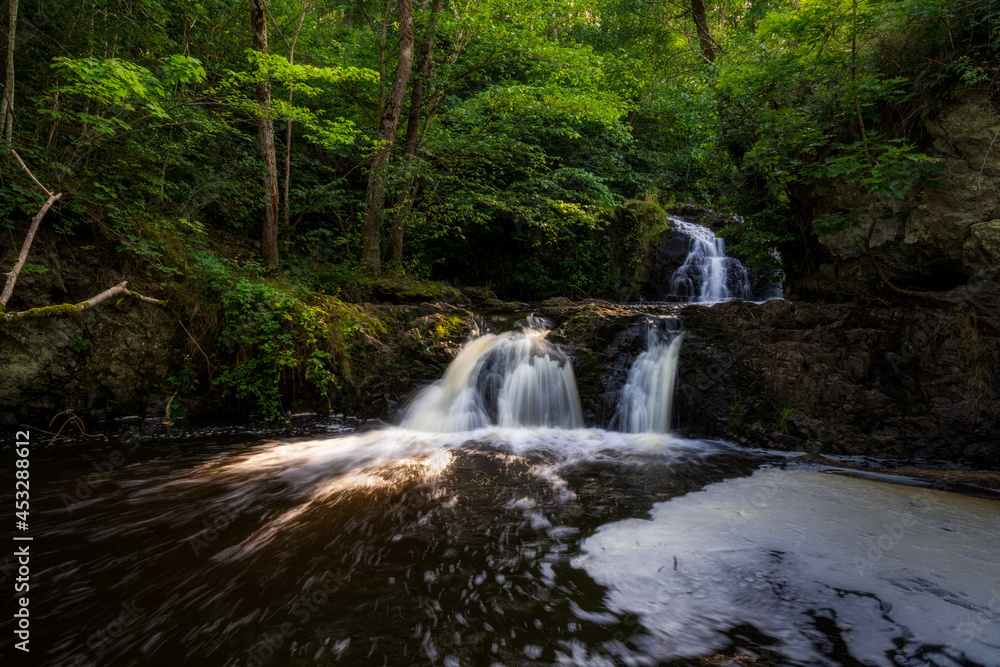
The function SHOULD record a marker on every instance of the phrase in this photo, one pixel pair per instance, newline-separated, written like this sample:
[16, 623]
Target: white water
[646, 402]
[798, 554]
[512, 380]
[707, 274]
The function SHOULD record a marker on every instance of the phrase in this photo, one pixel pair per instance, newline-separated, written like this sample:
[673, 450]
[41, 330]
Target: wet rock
[844, 379]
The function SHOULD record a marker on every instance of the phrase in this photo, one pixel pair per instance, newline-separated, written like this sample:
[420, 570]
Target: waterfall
[647, 399]
[513, 379]
[707, 275]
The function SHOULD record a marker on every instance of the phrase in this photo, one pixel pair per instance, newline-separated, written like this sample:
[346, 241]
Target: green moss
[62, 309]
[449, 326]
[411, 291]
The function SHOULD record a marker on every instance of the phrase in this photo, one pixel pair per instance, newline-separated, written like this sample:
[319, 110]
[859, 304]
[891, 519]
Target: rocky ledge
[906, 382]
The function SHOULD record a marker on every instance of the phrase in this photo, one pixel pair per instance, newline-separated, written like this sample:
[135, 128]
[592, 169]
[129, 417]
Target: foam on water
[903, 575]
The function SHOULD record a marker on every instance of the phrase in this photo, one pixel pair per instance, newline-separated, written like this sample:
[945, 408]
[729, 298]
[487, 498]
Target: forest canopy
[468, 140]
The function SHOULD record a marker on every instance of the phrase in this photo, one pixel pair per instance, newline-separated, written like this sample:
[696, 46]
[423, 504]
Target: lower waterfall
[513, 379]
[646, 402]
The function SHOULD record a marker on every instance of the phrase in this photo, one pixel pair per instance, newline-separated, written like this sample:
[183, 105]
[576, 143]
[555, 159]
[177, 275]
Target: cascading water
[514, 379]
[646, 402]
[431, 545]
[707, 274]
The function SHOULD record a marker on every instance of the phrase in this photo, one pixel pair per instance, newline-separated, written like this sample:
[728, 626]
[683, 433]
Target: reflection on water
[511, 546]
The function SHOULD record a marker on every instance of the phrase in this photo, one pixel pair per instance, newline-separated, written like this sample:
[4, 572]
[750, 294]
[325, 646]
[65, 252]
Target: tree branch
[22, 257]
[71, 308]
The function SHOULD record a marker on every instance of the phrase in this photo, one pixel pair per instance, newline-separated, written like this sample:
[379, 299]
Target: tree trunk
[701, 23]
[375, 197]
[7, 102]
[265, 130]
[288, 127]
[405, 200]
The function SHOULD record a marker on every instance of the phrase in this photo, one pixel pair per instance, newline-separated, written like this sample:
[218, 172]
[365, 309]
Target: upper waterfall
[707, 274]
[514, 379]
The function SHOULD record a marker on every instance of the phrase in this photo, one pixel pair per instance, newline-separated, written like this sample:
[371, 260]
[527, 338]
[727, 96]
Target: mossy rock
[405, 291]
[982, 250]
[478, 295]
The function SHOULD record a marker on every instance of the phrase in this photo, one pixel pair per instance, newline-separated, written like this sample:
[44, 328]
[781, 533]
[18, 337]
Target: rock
[924, 240]
[478, 295]
[666, 254]
[842, 379]
[981, 253]
[411, 291]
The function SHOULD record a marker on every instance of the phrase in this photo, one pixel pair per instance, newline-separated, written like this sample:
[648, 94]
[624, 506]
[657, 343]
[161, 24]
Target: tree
[22, 258]
[378, 174]
[7, 102]
[265, 131]
[701, 23]
[406, 195]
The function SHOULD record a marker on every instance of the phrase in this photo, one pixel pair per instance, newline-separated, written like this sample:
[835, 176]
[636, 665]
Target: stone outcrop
[944, 233]
[114, 358]
[907, 382]
[845, 379]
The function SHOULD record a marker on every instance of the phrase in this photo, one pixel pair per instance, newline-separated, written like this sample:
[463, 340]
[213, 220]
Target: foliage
[272, 335]
[548, 136]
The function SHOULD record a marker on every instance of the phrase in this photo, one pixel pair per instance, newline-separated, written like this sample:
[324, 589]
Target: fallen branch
[71, 418]
[22, 257]
[72, 308]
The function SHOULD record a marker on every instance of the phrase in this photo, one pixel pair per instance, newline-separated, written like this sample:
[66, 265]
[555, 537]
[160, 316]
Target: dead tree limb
[71, 308]
[22, 257]
[61, 309]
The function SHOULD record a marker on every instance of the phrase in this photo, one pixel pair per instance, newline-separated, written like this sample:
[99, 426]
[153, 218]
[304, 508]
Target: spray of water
[514, 379]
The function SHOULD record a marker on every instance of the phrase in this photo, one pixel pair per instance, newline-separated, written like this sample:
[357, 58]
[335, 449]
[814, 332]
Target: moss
[61, 310]
[400, 291]
[448, 327]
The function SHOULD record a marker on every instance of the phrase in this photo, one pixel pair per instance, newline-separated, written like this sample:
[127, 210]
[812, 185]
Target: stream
[502, 546]
[491, 527]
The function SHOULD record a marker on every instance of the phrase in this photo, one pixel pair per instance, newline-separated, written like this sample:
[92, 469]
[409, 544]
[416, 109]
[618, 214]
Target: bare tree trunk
[288, 127]
[62, 309]
[375, 197]
[7, 103]
[405, 200]
[701, 23]
[265, 131]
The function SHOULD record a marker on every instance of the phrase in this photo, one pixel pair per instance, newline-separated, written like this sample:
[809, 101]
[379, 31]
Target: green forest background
[527, 147]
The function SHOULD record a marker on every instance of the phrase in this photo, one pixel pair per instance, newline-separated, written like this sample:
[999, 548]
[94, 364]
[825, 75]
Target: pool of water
[229, 546]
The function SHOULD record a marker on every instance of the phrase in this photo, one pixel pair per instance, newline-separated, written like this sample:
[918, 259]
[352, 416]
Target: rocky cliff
[945, 233]
[908, 382]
